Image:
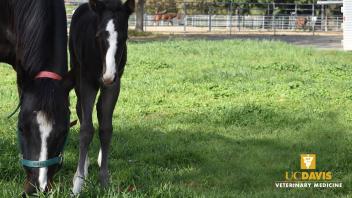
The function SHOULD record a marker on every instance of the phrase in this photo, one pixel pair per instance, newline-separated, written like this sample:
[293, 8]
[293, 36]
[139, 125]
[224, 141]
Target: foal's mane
[112, 4]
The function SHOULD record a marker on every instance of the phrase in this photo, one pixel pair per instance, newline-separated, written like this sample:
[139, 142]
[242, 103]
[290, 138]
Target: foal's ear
[97, 6]
[130, 4]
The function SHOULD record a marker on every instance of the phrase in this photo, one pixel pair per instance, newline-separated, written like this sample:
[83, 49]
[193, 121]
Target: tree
[140, 15]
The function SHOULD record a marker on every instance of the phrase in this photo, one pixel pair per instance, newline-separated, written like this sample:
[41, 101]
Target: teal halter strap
[42, 164]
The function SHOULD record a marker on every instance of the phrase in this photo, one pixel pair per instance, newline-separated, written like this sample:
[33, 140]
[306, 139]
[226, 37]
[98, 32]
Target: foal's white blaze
[110, 70]
[45, 127]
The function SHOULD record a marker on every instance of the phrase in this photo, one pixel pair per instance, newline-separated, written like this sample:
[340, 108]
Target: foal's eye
[100, 33]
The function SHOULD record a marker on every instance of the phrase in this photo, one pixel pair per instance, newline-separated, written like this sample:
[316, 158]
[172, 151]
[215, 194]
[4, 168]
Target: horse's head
[43, 126]
[112, 33]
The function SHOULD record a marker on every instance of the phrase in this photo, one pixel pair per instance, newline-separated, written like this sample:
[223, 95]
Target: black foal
[98, 52]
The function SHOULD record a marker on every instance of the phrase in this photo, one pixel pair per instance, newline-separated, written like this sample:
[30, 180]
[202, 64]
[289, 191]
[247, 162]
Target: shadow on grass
[199, 160]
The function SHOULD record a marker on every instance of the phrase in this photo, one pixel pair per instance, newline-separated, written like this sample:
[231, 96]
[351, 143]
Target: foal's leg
[77, 81]
[78, 106]
[105, 108]
[88, 92]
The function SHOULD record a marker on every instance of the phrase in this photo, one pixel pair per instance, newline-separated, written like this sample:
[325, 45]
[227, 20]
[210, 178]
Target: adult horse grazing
[98, 53]
[33, 36]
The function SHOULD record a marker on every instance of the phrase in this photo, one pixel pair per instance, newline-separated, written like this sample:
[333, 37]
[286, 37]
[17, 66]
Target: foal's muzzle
[108, 81]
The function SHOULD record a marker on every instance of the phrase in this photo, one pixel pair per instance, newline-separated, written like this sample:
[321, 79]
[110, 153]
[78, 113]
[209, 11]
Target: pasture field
[203, 118]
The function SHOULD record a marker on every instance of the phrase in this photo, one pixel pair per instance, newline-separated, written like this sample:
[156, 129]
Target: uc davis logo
[308, 177]
[308, 161]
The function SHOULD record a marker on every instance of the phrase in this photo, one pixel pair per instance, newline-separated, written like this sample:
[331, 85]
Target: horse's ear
[130, 4]
[97, 6]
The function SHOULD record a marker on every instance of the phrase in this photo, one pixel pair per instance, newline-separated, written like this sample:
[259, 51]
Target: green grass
[211, 119]
[134, 33]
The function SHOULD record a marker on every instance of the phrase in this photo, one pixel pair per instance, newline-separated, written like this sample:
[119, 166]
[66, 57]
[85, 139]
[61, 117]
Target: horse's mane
[50, 97]
[32, 20]
[41, 46]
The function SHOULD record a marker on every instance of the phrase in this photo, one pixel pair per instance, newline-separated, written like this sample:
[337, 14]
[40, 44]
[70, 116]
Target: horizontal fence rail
[234, 17]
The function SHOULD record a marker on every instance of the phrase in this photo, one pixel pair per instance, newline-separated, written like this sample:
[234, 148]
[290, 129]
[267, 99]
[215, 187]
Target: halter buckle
[61, 156]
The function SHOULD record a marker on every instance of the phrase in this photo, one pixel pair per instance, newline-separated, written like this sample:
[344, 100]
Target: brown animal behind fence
[301, 22]
[164, 16]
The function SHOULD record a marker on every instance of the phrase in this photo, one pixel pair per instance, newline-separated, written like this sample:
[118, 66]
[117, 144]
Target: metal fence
[234, 17]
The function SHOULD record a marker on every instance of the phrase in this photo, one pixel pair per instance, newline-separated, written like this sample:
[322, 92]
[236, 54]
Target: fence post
[268, 9]
[282, 19]
[273, 19]
[337, 24]
[231, 10]
[239, 18]
[209, 19]
[145, 22]
[243, 18]
[313, 18]
[185, 18]
[322, 18]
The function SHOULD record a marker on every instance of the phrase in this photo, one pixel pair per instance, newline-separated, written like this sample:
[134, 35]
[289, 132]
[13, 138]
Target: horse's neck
[60, 39]
[44, 43]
